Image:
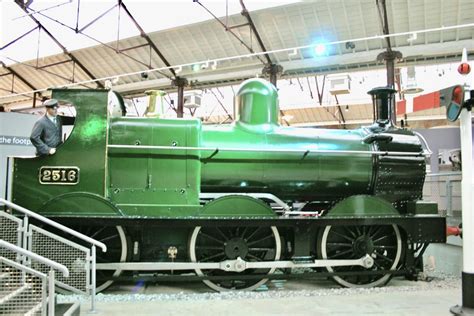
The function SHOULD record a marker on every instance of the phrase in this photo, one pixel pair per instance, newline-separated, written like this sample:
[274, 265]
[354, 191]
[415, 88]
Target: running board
[237, 265]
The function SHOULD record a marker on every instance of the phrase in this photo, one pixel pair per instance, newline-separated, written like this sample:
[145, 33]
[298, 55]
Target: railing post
[44, 295]
[449, 197]
[93, 279]
[51, 292]
[24, 242]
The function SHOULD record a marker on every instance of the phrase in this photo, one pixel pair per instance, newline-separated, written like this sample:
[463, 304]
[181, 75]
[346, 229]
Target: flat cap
[51, 103]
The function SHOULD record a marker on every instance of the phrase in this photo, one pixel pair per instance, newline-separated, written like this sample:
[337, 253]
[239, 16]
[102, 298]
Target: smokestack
[383, 101]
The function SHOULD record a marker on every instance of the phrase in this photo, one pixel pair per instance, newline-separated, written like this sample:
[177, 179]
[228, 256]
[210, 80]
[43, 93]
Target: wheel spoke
[222, 234]
[210, 237]
[384, 257]
[381, 238]
[350, 231]
[340, 244]
[378, 265]
[341, 253]
[108, 238]
[97, 232]
[209, 248]
[385, 247]
[254, 257]
[253, 234]
[377, 230]
[260, 249]
[260, 240]
[369, 230]
[343, 236]
[219, 254]
[244, 232]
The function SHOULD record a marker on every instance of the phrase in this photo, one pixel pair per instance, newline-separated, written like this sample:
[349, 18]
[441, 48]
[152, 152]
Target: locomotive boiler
[236, 203]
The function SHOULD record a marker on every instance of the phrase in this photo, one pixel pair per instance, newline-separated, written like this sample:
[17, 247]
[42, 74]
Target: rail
[50, 297]
[34, 256]
[54, 224]
[305, 152]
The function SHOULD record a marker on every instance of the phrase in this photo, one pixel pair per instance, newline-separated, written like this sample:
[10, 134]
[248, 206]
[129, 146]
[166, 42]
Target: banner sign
[15, 140]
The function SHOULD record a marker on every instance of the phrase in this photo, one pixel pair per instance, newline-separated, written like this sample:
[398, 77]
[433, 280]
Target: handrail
[275, 150]
[423, 140]
[22, 267]
[34, 256]
[441, 174]
[54, 224]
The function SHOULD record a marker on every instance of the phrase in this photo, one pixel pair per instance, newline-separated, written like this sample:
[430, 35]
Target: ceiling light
[320, 49]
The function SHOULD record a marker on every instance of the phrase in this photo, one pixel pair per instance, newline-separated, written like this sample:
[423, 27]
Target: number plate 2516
[59, 175]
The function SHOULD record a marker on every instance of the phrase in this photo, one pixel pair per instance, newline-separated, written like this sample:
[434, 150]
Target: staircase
[30, 256]
[25, 291]
[20, 292]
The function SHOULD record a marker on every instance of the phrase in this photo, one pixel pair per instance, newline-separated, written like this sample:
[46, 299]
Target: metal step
[23, 300]
[9, 282]
[69, 309]
[14, 293]
[35, 310]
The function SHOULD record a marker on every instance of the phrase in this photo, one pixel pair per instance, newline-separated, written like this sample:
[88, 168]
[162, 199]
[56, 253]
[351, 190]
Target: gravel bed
[276, 289]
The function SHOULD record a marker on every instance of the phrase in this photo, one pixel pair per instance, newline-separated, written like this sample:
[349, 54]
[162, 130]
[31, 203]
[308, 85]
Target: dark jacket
[45, 135]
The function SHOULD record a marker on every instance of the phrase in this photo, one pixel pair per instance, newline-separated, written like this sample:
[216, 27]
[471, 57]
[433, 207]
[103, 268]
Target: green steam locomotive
[236, 203]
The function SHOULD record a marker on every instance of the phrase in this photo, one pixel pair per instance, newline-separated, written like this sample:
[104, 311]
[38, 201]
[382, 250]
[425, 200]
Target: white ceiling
[280, 27]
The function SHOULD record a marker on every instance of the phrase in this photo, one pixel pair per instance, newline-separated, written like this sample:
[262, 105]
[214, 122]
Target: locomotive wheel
[215, 244]
[383, 243]
[114, 237]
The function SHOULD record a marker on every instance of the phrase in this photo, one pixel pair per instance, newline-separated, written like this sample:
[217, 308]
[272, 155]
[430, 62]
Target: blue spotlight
[320, 49]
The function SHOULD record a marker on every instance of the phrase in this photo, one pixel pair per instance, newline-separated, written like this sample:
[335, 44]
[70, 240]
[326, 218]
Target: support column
[180, 83]
[467, 186]
[273, 71]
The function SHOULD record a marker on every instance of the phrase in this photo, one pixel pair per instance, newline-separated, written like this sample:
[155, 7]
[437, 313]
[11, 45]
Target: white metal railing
[48, 297]
[76, 257]
[90, 258]
[11, 231]
[445, 189]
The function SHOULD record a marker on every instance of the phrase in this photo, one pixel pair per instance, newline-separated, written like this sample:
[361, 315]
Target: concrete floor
[436, 302]
[400, 297]
[293, 297]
